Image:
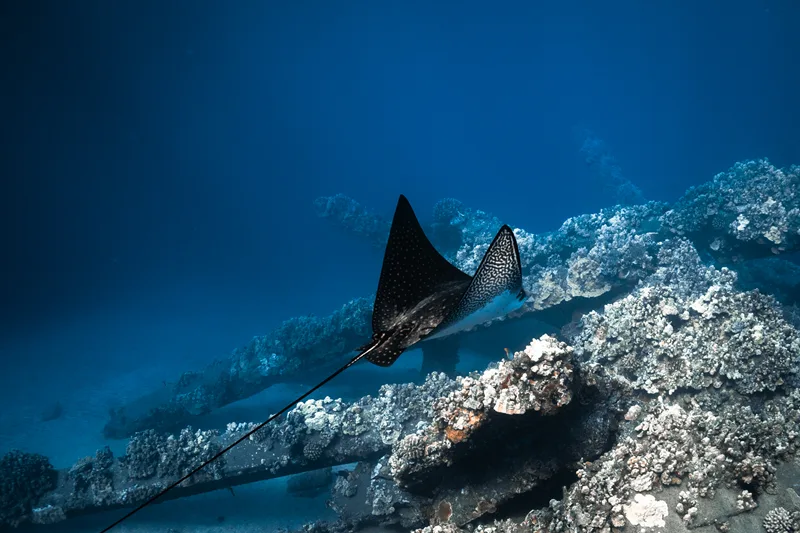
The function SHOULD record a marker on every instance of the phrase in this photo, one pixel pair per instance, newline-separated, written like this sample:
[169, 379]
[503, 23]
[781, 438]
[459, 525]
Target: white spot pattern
[420, 292]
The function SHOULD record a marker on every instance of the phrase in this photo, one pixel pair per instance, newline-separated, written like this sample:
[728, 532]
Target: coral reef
[315, 434]
[700, 449]
[665, 340]
[591, 255]
[500, 423]
[170, 457]
[779, 520]
[92, 480]
[353, 217]
[671, 403]
[456, 226]
[752, 209]
[700, 443]
[24, 479]
[538, 379]
[299, 343]
[590, 258]
[695, 374]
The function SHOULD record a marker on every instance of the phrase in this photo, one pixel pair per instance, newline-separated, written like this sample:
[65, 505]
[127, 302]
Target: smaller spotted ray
[421, 295]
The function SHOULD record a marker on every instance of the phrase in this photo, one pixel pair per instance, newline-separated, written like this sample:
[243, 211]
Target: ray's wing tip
[505, 232]
[403, 205]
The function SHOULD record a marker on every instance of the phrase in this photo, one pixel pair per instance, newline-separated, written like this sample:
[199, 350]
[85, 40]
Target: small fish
[420, 296]
[53, 412]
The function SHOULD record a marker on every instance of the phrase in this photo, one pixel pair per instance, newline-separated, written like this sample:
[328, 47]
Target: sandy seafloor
[257, 507]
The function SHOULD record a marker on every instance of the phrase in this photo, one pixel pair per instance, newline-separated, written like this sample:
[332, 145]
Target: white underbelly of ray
[499, 306]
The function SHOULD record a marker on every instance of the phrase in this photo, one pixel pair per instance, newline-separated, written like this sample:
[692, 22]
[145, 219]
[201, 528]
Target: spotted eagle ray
[421, 295]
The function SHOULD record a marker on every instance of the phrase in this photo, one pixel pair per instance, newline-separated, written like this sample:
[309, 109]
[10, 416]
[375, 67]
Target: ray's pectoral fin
[384, 348]
[412, 270]
[384, 354]
[495, 290]
[413, 273]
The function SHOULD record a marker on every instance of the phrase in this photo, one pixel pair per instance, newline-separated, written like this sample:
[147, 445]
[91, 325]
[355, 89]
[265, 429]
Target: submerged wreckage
[670, 403]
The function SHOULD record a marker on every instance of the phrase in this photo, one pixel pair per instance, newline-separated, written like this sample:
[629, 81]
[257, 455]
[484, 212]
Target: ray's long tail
[366, 350]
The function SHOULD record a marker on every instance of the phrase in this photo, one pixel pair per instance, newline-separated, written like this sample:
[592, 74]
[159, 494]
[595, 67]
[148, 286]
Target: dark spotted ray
[421, 295]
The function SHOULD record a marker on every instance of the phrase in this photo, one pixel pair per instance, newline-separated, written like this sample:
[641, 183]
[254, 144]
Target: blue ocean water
[161, 162]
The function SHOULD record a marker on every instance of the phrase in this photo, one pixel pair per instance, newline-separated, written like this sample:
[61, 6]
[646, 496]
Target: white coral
[646, 511]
